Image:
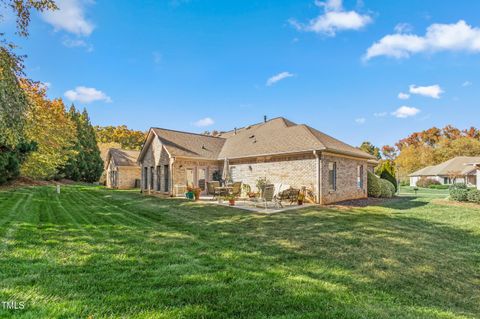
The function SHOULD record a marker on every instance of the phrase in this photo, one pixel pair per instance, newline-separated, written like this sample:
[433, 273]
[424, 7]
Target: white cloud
[433, 91]
[439, 37]
[380, 114]
[467, 83]
[334, 19]
[207, 121]
[77, 43]
[84, 94]
[70, 17]
[360, 120]
[403, 28]
[405, 111]
[403, 96]
[278, 77]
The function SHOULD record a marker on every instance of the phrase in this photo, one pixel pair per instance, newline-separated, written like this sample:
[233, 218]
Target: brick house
[278, 149]
[122, 170]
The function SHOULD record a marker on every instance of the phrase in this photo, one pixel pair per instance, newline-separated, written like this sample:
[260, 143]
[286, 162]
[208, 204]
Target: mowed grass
[95, 253]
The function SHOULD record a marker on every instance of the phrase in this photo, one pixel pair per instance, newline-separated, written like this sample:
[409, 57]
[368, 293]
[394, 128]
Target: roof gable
[190, 144]
[122, 157]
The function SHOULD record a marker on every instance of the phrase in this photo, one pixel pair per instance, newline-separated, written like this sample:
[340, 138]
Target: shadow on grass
[128, 255]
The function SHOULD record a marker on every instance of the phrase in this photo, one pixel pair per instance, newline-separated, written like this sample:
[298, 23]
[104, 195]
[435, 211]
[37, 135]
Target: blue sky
[201, 65]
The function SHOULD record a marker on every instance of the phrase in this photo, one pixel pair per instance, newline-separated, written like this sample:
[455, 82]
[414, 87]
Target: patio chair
[269, 197]
[237, 189]
[211, 188]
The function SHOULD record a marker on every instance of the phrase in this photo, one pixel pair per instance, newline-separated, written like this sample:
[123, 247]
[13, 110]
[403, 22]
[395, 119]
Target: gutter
[319, 177]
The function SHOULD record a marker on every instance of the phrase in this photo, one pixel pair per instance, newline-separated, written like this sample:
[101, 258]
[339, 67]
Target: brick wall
[297, 171]
[347, 185]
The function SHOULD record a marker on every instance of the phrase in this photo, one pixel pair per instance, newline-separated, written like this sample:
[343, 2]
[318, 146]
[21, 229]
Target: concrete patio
[255, 206]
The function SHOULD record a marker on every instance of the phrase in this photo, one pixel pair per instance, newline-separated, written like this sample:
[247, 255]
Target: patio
[254, 206]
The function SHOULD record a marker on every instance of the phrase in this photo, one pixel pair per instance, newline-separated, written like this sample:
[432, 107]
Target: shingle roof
[280, 135]
[276, 136]
[459, 164]
[123, 157]
[190, 144]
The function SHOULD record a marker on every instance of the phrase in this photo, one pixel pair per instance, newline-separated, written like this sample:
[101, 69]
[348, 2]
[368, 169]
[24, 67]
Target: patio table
[224, 190]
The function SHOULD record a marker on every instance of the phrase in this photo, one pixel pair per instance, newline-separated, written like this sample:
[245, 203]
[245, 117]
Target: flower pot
[197, 193]
[231, 202]
[300, 202]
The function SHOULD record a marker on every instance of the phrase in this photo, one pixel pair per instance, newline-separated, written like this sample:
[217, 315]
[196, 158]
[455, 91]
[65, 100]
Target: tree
[370, 149]
[13, 107]
[412, 158]
[86, 165]
[13, 101]
[22, 10]
[122, 135]
[53, 131]
[389, 152]
[463, 146]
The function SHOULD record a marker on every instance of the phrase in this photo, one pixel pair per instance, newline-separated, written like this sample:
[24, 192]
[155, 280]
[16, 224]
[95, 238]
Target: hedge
[389, 177]
[373, 185]
[379, 187]
[387, 189]
[427, 182]
[473, 196]
[459, 192]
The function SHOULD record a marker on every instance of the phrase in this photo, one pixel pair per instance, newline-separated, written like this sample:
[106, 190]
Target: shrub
[473, 196]
[373, 185]
[386, 188]
[389, 177]
[426, 182]
[434, 186]
[459, 192]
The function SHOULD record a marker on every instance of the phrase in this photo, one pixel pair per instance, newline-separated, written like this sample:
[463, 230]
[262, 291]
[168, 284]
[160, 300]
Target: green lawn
[109, 254]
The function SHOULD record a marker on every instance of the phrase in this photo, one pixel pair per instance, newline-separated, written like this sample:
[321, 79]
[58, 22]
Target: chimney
[235, 131]
[265, 119]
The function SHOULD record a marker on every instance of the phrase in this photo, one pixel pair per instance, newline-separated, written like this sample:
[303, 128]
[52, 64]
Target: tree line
[39, 138]
[425, 148]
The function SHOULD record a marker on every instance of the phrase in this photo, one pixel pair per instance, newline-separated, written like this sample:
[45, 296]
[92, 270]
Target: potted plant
[231, 200]
[196, 192]
[300, 198]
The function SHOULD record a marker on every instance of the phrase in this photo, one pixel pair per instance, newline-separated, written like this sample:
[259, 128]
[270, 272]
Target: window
[360, 176]
[152, 173]
[445, 180]
[145, 178]
[332, 176]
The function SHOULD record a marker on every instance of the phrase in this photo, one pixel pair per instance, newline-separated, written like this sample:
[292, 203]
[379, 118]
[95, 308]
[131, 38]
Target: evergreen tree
[86, 164]
[386, 170]
[93, 161]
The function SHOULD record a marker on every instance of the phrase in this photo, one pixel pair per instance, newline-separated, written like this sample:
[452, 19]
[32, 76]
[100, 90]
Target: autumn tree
[53, 131]
[121, 135]
[370, 149]
[13, 107]
[13, 101]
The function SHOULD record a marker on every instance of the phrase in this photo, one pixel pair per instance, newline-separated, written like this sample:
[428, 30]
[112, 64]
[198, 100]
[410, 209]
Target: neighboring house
[122, 170]
[278, 149]
[456, 170]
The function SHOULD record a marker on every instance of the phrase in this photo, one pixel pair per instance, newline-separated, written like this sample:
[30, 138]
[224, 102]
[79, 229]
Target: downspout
[319, 166]
[170, 167]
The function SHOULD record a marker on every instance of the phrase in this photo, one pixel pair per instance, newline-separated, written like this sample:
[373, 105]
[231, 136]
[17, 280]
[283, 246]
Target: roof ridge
[261, 123]
[185, 132]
